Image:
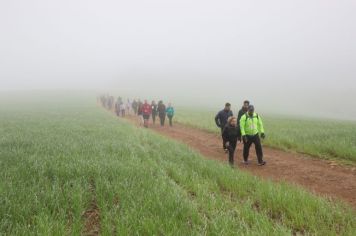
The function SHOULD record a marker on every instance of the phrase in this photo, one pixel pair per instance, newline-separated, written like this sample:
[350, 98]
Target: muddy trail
[322, 177]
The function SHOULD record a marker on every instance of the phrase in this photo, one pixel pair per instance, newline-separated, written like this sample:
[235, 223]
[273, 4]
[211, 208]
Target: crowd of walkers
[143, 110]
[247, 128]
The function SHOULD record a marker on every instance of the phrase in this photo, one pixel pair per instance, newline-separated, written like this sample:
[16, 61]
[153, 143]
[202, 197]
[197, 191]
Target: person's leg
[258, 147]
[170, 120]
[223, 139]
[231, 155]
[246, 150]
[141, 120]
[163, 120]
[146, 118]
[154, 118]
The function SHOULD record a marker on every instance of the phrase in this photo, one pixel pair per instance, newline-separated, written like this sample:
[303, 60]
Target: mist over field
[287, 57]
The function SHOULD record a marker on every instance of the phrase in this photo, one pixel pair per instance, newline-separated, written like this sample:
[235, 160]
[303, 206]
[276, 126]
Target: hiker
[231, 134]
[170, 114]
[154, 111]
[103, 100]
[221, 120]
[251, 129]
[139, 111]
[146, 113]
[128, 107]
[117, 108]
[135, 106]
[161, 112]
[122, 109]
[243, 110]
[110, 103]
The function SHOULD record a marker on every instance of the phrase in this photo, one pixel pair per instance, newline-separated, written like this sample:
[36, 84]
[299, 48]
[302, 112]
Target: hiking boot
[262, 163]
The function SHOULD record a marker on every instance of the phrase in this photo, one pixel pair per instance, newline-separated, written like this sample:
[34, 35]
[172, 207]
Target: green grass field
[52, 153]
[328, 139]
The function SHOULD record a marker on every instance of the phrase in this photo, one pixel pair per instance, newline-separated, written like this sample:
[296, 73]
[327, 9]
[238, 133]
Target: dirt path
[92, 214]
[319, 176]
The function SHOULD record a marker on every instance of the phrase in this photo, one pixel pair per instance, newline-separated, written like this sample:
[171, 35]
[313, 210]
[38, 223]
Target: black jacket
[221, 118]
[241, 113]
[231, 134]
[161, 109]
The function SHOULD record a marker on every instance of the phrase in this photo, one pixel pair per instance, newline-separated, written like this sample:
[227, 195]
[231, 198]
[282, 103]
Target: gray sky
[280, 54]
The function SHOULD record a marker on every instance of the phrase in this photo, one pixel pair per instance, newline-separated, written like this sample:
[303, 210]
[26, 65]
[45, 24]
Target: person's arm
[173, 111]
[217, 120]
[260, 127]
[225, 133]
[242, 125]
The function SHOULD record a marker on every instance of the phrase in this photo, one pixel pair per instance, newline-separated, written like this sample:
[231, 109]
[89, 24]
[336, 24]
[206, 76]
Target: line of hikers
[247, 127]
[143, 110]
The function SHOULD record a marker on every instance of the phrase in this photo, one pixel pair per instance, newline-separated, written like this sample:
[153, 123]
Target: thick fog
[286, 56]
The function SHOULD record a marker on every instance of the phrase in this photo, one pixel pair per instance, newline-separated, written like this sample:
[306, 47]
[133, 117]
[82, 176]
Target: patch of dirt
[92, 214]
[318, 176]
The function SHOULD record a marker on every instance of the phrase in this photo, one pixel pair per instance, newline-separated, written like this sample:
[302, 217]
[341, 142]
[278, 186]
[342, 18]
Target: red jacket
[146, 109]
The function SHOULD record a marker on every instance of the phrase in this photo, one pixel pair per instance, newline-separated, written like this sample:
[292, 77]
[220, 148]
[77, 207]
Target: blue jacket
[170, 111]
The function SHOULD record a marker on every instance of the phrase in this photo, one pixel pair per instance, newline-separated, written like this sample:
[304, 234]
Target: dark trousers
[231, 148]
[253, 140]
[154, 118]
[223, 139]
[170, 120]
[162, 118]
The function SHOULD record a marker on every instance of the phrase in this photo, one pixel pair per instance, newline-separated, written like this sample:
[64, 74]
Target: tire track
[92, 215]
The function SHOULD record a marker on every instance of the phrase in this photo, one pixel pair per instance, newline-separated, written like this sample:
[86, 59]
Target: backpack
[145, 109]
[246, 115]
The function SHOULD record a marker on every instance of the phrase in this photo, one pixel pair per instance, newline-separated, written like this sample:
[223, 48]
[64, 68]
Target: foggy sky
[280, 54]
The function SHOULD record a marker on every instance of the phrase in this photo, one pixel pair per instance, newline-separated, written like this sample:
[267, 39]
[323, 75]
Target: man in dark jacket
[154, 111]
[161, 112]
[135, 106]
[243, 110]
[221, 121]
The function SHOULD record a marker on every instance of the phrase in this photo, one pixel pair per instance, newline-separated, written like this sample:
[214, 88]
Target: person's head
[153, 102]
[251, 110]
[169, 104]
[145, 101]
[232, 121]
[227, 107]
[246, 104]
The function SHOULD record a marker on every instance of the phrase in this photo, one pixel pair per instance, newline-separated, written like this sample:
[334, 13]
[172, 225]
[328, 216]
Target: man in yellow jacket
[251, 130]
